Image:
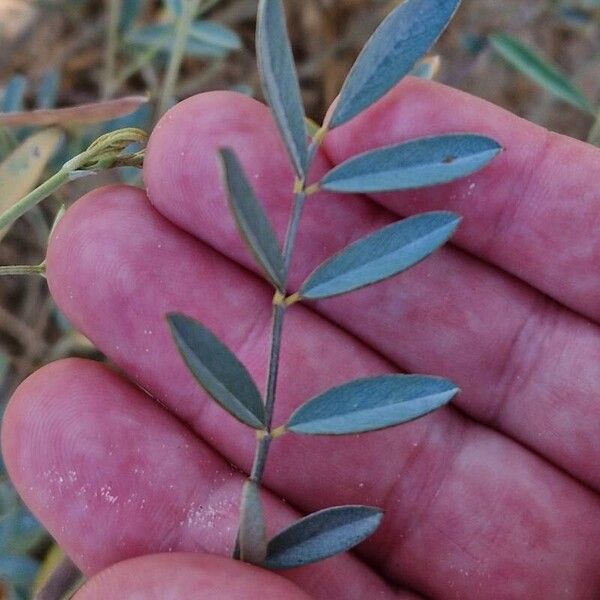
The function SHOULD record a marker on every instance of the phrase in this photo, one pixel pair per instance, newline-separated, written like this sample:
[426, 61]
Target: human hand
[494, 497]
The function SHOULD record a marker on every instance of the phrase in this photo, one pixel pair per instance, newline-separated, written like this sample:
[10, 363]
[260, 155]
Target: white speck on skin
[107, 495]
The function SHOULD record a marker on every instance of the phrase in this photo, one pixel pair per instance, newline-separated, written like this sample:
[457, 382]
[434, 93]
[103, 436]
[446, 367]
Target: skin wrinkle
[508, 215]
[522, 358]
[403, 526]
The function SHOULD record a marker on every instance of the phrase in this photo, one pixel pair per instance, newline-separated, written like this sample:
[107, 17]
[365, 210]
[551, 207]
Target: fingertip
[181, 168]
[30, 420]
[180, 575]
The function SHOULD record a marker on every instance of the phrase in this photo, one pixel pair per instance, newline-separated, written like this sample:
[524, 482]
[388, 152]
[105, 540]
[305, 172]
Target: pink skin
[176, 576]
[496, 498]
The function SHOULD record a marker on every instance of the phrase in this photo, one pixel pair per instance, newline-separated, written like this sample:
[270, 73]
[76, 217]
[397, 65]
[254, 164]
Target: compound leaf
[380, 255]
[371, 404]
[251, 219]
[321, 535]
[252, 535]
[400, 41]
[415, 164]
[280, 81]
[218, 371]
[528, 61]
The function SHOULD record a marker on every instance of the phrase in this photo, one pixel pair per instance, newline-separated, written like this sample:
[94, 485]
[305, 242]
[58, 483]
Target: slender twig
[61, 582]
[112, 44]
[279, 310]
[140, 61]
[34, 197]
[21, 270]
[182, 29]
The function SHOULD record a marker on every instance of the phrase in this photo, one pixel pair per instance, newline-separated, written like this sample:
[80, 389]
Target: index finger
[534, 212]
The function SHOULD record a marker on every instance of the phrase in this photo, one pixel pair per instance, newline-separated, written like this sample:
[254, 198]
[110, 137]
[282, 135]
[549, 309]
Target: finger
[444, 481]
[533, 374]
[198, 576]
[114, 476]
[534, 212]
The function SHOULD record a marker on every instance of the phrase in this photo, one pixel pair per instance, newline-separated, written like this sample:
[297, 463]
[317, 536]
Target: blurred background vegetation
[64, 53]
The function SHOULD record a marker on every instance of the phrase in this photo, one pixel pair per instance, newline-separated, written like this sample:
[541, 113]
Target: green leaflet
[251, 220]
[371, 404]
[218, 371]
[280, 81]
[415, 164]
[400, 41]
[380, 255]
[205, 39]
[252, 534]
[529, 62]
[321, 535]
[215, 35]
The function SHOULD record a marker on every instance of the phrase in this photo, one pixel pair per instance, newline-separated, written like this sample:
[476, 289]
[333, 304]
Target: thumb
[197, 576]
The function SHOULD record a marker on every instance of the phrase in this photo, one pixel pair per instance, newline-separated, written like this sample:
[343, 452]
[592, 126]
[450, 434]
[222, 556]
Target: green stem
[139, 62]
[112, 44]
[34, 197]
[264, 442]
[190, 8]
[594, 135]
[22, 270]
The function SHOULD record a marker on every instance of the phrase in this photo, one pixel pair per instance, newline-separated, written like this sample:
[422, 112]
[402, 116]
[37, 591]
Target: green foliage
[280, 81]
[321, 535]
[363, 405]
[394, 49]
[411, 165]
[218, 371]
[251, 219]
[381, 255]
[531, 63]
[371, 404]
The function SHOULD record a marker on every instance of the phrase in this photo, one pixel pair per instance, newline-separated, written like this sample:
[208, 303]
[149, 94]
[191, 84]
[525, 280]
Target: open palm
[494, 497]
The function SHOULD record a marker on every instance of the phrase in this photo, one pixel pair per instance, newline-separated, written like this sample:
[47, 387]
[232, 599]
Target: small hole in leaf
[449, 159]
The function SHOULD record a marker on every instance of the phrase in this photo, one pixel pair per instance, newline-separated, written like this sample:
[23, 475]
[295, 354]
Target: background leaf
[400, 41]
[280, 81]
[94, 112]
[528, 61]
[47, 92]
[215, 35]
[251, 220]
[380, 255]
[252, 535]
[218, 371]
[14, 94]
[415, 164]
[371, 404]
[21, 170]
[321, 535]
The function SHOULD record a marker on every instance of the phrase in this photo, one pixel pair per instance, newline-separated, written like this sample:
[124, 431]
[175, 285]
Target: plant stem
[112, 44]
[189, 10]
[34, 197]
[594, 135]
[279, 310]
[21, 270]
